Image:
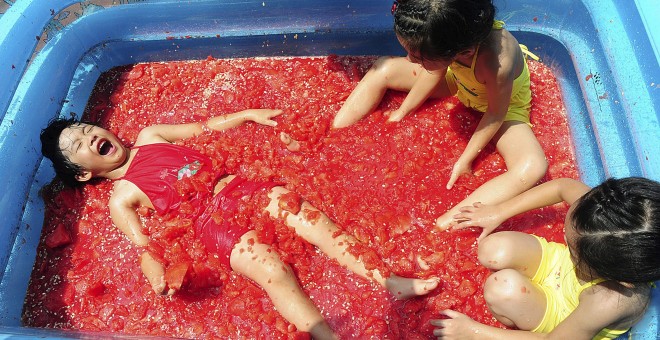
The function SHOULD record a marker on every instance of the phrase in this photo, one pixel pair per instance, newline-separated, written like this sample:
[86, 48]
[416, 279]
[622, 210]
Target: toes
[285, 138]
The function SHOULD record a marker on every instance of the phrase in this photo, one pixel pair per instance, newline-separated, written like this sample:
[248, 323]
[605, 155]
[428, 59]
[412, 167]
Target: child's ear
[84, 176]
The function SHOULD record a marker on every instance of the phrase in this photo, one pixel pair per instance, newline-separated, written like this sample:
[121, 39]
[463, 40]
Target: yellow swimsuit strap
[527, 53]
[498, 24]
[590, 284]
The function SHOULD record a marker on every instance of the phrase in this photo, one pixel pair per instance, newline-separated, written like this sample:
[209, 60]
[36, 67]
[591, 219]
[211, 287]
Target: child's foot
[444, 222]
[422, 263]
[404, 288]
[291, 144]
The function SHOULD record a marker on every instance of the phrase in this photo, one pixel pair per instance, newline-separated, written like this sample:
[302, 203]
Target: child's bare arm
[489, 217]
[499, 85]
[577, 326]
[154, 271]
[421, 90]
[488, 126]
[261, 116]
[460, 326]
[174, 132]
[123, 205]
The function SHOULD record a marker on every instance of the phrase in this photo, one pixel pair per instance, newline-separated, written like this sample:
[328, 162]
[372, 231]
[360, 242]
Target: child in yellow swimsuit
[455, 47]
[595, 287]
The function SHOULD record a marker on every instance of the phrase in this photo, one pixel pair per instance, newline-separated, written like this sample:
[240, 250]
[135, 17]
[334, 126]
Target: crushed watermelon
[383, 183]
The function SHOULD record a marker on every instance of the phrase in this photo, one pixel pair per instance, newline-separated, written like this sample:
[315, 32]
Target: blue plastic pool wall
[604, 53]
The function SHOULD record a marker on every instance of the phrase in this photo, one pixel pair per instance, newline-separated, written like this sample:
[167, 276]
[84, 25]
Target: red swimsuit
[156, 168]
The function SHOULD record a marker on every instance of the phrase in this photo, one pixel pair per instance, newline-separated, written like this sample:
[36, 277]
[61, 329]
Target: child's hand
[263, 116]
[395, 115]
[460, 168]
[479, 215]
[458, 326]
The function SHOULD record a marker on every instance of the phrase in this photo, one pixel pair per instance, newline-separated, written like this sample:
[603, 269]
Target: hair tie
[395, 4]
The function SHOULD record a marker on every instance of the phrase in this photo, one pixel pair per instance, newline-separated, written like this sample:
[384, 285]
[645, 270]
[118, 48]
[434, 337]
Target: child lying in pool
[147, 175]
[597, 286]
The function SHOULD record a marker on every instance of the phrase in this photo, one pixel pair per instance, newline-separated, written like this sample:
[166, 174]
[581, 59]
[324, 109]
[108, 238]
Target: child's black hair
[618, 227]
[440, 29]
[50, 148]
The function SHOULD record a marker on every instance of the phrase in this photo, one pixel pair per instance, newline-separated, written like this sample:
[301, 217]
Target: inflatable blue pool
[605, 54]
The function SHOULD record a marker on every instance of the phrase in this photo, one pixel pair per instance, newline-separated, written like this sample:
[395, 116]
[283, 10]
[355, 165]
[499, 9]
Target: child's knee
[502, 288]
[494, 251]
[264, 269]
[531, 171]
[383, 66]
[278, 273]
[538, 166]
[274, 207]
[313, 220]
[259, 262]
[382, 62]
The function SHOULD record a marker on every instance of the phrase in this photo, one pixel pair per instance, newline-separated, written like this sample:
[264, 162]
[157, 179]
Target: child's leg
[511, 250]
[525, 162]
[511, 296]
[323, 233]
[262, 265]
[386, 73]
[514, 299]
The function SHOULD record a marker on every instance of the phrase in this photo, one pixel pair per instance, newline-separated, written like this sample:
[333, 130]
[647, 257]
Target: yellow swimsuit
[471, 93]
[556, 277]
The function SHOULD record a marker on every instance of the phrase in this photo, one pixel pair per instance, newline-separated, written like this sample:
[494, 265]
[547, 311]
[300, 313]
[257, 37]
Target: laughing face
[95, 149]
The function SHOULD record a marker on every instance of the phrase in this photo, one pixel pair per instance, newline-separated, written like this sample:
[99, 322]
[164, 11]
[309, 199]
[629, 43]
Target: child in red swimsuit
[147, 175]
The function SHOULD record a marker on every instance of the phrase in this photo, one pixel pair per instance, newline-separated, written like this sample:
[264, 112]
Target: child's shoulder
[146, 135]
[623, 301]
[500, 53]
[150, 135]
[612, 305]
[500, 42]
[125, 194]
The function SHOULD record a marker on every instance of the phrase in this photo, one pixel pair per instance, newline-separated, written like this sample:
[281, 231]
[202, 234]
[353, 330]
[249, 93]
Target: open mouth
[105, 148]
